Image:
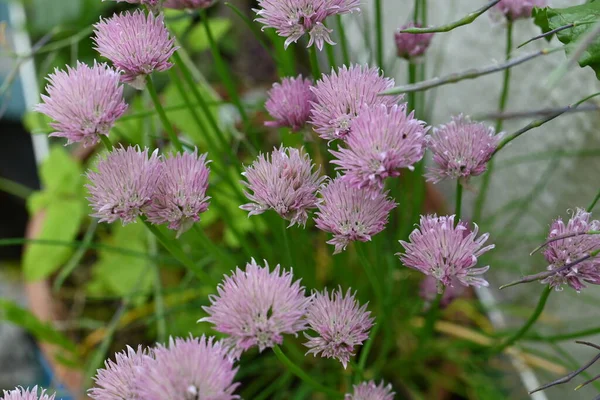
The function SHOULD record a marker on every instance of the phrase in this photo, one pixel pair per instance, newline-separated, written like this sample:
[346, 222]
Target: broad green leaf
[586, 16]
[118, 273]
[12, 312]
[60, 173]
[61, 222]
[37, 123]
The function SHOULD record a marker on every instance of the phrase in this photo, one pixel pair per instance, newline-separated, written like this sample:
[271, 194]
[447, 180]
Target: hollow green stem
[412, 78]
[329, 50]
[162, 115]
[314, 63]
[593, 204]
[286, 242]
[525, 328]
[299, 372]
[379, 32]
[458, 208]
[485, 184]
[223, 70]
[106, 142]
[77, 256]
[364, 353]
[159, 304]
[177, 252]
[343, 40]
[14, 188]
[430, 319]
[369, 271]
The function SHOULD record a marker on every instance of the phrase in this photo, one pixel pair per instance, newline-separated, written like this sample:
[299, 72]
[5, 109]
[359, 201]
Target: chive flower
[137, 43]
[26, 394]
[351, 214]
[411, 45]
[447, 252]
[517, 9]
[289, 103]
[84, 102]
[340, 323]
[371, 391]
[256, 307]
[341, 95]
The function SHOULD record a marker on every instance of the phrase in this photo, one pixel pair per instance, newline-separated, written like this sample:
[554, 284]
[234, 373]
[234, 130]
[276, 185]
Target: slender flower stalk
[188, 4]
[163, 115]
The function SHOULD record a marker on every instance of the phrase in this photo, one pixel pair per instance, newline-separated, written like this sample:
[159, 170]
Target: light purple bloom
[461, 149]
[138, 44]
[189, 369]
[294, 18]
[191, 4]
[124, 184]
[428, 290]
[351, 214]
[566, 251]
[341, 95]
[256, 307]
[180, 195]
[340, 323]
[118, 379]
[411, 45]
[27, 394]
[371, 391]
[289, 103]
[383, 141]
[84, 101]
[149, 3]
[446, 252]
[283, 181]
[515, 9]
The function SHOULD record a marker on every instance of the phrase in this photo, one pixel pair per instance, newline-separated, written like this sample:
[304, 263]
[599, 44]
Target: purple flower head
[383, 141]
[138, 44]
[411, 45]
[294, 18]
[516, 9]
[256, 307]
[429, 288]
[283, 181]
[289, 103]
[150, 3]
[124, 184]
[371, 391]
[562, 252]
[340, 323]
[118, 379]
[341, 95]
[189, 369]
[351, 214]
[446, 252]
[191, 4]
[27, 394]
[461, 149]
[84, 101]
[180, 195]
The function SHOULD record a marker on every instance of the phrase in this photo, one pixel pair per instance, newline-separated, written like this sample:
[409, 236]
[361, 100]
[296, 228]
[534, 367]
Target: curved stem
[480, 201]
[299, 372]
[525, 328]
[162, 115]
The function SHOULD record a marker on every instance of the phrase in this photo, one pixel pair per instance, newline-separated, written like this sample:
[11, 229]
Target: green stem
[286, 242]
[563, 337]
[159, 304]
[472, 16]
[364, 353]
[314, 63]
[379, 32]
[163, 116]
[458, 208]
[106, 142]
[177, 252]
[343, 40]
[525, 328]
[330, 55]
[77, 256]
[223, 70]
[430, 319]
[299, 372]
[480, 201]
[14, 188]
[591, 206]
[369, 271]
[217, 252]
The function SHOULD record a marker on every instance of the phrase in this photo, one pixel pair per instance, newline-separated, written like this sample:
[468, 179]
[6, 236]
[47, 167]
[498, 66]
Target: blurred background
[538, 177]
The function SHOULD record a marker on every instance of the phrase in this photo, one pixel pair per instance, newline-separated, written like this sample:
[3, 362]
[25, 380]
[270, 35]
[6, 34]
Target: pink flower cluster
[411, 45]
[129, 183]
[517, 9]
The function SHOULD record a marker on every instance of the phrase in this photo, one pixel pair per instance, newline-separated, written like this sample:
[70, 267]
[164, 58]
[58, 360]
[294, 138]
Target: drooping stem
[106, 142]
[525, 328]
[379, 32]
[299, 372]
[343, 40]
[458, 207]
[480, 201]
[314, 63]
[163, 116]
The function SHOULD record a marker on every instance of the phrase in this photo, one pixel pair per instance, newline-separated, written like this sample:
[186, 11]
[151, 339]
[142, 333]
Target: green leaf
[37, 123]
[117, 273]
[585, 16]
[12, 312]
[61, 175]
[61, 222]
